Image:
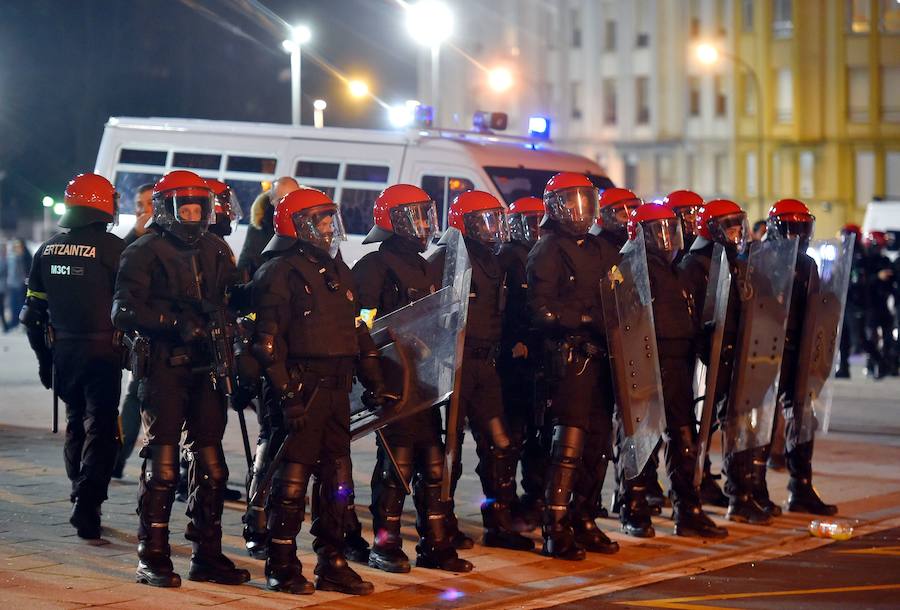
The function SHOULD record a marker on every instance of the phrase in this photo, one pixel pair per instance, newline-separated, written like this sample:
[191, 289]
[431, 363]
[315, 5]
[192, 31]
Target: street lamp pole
[300, 35]
[435, 79]
[430, 23]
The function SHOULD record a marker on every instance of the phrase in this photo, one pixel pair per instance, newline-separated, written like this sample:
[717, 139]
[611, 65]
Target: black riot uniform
[481, 399]
[564, 280]
[172, 289]
[390, 278]
[70, 290]
[877, 287]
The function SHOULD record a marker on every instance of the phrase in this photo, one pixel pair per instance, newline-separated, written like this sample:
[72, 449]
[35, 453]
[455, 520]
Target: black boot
[334, 574]
[356, 548]
[255, 531]
[635, 512]
[388, 497]
[208, 476]
[584, 507]
[497, 470]
[742, 507]
[527, 513]
[565, 456]
[181, 492]
[159, 476]
[86, 518]
[435, 549]
[710, 493]
[681, 459]
[759, 466]
[803, 497]
[587, 534]
[287, 507]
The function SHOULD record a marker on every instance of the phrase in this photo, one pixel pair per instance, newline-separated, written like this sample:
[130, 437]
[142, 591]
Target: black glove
[45, 370]
[293, 409]
[379, 400]
[243, 395]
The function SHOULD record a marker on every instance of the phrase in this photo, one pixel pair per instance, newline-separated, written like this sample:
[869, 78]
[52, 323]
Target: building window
[663, 173]
[782, 18]
[690, 170]
[807, 163]
[864, 176]
[576, 29]
[747, 15]
[695, 27]
[642, 40]
[694, 23]
[750, 175]
[889, 20]
[890, 95]
[609, 101]
[722, 176]
[719, 19]
[642, 95]
[751, 94]
[892, 175]
[576, 100]
[784, 104]
[721, 95]
[858, 94]
[610, 36]
[694, 95]
[858, 16]
[642, 19]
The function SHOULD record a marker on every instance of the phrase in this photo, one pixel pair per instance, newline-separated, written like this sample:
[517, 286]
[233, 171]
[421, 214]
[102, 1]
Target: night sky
[66, 66]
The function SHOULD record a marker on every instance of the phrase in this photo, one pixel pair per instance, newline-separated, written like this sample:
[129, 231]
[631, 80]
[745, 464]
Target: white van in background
[351, 165]
[884, 216]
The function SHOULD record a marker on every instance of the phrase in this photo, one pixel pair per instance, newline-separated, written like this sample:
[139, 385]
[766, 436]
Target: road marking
[684, 603]
[893, 551]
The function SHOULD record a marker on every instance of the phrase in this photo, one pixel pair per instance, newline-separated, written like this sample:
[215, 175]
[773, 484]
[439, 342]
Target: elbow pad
[34, 313]
[123, 317]
[263, 349]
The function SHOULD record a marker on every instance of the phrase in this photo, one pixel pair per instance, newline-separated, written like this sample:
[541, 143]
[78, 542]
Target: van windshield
[517, 182]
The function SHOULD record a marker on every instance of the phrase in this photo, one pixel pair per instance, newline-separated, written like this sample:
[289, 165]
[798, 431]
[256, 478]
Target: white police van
[351, 165]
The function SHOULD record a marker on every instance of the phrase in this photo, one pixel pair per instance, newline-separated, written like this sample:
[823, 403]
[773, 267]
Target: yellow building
[829, 71]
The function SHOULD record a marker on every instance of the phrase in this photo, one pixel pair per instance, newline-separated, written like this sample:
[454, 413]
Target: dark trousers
[130, 423]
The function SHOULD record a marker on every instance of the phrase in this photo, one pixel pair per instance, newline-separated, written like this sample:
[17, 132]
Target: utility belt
[571, 350]
[329, 373]
[106, 335]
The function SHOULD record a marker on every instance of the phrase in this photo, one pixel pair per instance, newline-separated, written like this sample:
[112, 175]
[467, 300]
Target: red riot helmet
[226, 206]
[308, 215]
[89, 198]
[661, 227]
[876, 240]
[571, 201]
[524, 217]
[790, 218]
[616, 205]
[404, 210]
[852, 229]
[724, 222]
[479, 216]
[686, 204]
[183, 205]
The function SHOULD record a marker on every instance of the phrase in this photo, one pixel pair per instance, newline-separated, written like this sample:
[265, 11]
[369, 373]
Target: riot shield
[634, 359]
[826, 298]
[715, 308]
[421, 349]
[764, 286]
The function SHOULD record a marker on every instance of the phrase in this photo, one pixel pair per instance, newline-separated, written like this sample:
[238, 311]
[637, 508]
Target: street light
[708, 55]
[319, 107]
[358, 88]
[300, 35]
[47, 201]
[500, 79]
[401, 115]
[430, 23]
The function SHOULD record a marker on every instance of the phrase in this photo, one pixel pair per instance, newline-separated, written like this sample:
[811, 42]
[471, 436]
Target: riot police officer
[227, 210]
[172, 288]
[686, 205]
[791, 219]
[481, 219]
[676, 320]
[70, 290]
[724, 222]
[311, 342]
[852, 335]
[879, 320]
[564, 300]
[392, 277]
[516, 362]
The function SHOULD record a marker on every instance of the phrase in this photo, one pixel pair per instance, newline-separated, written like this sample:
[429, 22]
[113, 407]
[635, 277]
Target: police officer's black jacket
[675, 314]
[610, 248]
[565, 275]
[695, 266]
[161, 279]
[876, 290]
[516, 318]
[394, 276]
[806, 277]
[77, 271]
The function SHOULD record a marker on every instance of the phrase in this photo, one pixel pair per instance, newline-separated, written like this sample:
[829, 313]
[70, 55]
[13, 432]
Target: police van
[351, 165]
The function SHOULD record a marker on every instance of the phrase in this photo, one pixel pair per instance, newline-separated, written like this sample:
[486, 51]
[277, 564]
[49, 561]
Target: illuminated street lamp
[358, 88]
[500, 79]
[319, 107]
[300, 35]
[430, 23]
[709, 55]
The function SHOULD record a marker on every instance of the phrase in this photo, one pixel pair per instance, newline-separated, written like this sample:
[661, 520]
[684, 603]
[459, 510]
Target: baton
[390, 454]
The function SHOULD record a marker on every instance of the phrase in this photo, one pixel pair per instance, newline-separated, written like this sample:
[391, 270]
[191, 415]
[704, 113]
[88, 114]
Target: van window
[517, 182]
[251, 165]
[196, 160]
[246, 192]
[366, 173]
[317, 169]
[127, 183]
[443, 190]
[356, 209]
[142, 157]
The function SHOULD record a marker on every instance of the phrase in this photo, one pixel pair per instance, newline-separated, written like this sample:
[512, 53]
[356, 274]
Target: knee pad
[160, 466]
[567, 445]
[403, 456]
[291, 482]
[431, 467]
[496, 428]
[211, 470]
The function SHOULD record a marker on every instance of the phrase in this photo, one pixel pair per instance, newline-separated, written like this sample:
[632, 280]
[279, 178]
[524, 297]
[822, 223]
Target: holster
[138, 349]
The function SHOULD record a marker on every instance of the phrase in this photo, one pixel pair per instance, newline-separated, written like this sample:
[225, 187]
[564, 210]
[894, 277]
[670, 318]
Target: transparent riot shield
[715, 309]
[764, 286]
[421, 348]
[634, 359]
[826, 298]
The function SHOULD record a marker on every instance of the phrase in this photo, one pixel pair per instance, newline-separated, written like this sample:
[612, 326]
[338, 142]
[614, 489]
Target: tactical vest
[486, 299]
[582, 275]
[323, 315]
[674, 310]
[408, 281]
[516, 319]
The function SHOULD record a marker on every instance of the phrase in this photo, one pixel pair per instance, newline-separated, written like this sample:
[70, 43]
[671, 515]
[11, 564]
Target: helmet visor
[415, 220]
[731, 229]
[192, 207]
[574, 208]
[525, 226]
[796, 225]
[664, 235]
[615, 217]
[487, 226]
[321, 226]
[688, 216]
[227, 204]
